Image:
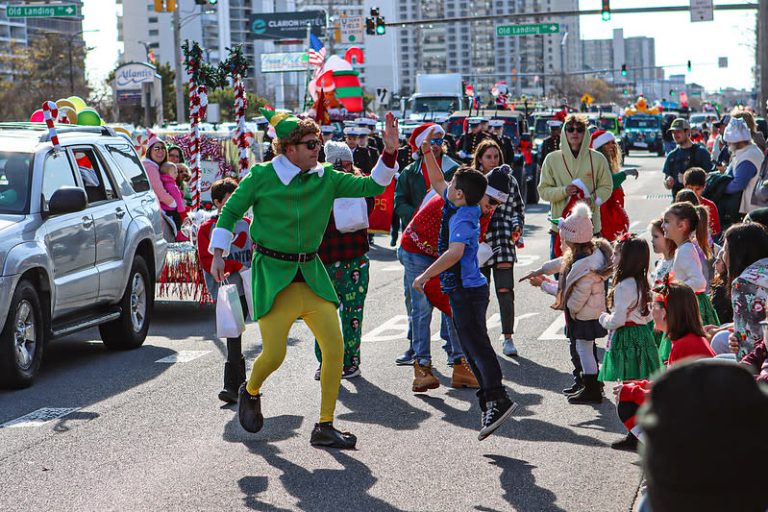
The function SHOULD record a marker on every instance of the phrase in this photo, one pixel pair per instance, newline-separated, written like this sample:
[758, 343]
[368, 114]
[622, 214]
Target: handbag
[350, 214]
[229, 313]
[245, 275]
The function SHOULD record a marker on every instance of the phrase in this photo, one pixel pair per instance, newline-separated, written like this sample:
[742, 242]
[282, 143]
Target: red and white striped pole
[51, 112]
[194, 112]
[241, 104]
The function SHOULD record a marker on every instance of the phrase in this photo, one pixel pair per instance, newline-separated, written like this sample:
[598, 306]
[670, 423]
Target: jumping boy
[467, 288]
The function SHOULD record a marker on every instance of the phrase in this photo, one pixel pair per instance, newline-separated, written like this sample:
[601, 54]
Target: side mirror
[67, 200]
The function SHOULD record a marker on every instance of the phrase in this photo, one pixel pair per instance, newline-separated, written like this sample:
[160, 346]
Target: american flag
[316, 51]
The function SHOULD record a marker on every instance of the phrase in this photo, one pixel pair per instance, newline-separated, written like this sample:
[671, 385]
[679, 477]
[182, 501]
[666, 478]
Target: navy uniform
[551, 143]
[469, 141]
[504, 141]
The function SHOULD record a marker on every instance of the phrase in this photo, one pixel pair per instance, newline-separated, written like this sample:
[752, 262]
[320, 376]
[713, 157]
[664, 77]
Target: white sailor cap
[554, 123]
[365, 121]
[496, 123]
[327, 128]
[483, 119]
[474, 120]
[355, 130]
[440, 119]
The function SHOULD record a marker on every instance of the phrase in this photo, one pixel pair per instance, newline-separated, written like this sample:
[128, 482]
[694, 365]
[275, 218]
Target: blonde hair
[577, 119]
[166, 167]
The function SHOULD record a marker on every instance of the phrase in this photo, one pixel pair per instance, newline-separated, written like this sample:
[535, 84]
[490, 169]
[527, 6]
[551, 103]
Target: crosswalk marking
[39, 417]
[555, 331]
[183, 356]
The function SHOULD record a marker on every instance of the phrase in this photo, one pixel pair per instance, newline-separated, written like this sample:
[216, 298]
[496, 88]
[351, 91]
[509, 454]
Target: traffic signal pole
[762, 57]
[180, 114]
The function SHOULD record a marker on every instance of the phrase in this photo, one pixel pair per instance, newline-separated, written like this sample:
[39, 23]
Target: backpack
[760, 194]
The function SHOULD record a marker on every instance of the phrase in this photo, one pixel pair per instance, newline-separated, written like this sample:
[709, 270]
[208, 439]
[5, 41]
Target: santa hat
[152, 140]
[577, 228]
[600, 138]
[420, 134]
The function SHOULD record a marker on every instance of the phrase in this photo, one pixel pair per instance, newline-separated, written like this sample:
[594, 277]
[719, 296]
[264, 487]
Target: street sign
[351, 29]
[586, 98]
[40, 11]
[285, 25]
[702, 10]
[722, 62]
[533, 29]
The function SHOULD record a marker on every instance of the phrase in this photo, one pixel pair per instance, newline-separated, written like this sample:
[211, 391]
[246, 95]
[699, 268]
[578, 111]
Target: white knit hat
[577, 228]
[337, 152]
[737, 131]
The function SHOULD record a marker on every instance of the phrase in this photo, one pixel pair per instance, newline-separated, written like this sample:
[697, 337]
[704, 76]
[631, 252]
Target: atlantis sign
[131, 76]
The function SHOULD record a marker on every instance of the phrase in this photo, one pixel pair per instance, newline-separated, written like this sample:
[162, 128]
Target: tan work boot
[423, 378]
[463, 376]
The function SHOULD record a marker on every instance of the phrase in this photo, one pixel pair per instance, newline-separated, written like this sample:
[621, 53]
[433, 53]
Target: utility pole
[762, 58]
[180, 114]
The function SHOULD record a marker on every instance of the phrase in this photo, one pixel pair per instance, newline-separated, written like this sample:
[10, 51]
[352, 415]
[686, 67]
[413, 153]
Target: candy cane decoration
[194, 113]
[50, 112]
[241, 104]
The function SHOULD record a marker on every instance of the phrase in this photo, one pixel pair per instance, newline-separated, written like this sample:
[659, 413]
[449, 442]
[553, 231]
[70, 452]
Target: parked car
[643, 132]
[609, 123]
[81, 244]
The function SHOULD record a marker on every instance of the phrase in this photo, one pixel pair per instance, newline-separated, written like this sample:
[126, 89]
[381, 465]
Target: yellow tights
[297, 300]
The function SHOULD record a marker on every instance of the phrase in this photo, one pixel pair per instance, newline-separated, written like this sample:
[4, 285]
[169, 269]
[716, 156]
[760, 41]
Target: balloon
[88, 117]
[37, 117]
[69, 112]
[354, 56]
[78, 103]
[65, 103]
[120, 129]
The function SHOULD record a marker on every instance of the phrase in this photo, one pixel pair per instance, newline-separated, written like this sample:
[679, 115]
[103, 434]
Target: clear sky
[678, 40]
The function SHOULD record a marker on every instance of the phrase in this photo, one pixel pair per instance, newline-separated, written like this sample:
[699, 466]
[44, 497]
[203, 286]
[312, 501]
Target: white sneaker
[509, 348]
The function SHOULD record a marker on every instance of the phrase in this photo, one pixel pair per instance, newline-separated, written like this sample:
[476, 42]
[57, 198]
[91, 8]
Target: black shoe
[249, 411]
[575, 388]
[350, 372]
[234, 376]
[317, 372]
[589, 394]
[496, 411]
[405, 359]
[328, 437]
[393, 242]
[628, 444]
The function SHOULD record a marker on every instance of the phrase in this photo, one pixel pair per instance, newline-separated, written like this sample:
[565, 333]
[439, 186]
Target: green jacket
[291, 218]
[411, 188]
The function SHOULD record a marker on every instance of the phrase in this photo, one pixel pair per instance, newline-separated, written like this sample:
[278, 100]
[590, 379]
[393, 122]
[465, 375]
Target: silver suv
[81, 243]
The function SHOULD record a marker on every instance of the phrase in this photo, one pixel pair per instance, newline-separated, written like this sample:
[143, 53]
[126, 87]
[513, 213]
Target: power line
[580, 12]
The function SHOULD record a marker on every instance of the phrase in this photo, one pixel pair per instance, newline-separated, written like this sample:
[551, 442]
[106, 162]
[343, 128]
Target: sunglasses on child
[311, 144]
[573, 128]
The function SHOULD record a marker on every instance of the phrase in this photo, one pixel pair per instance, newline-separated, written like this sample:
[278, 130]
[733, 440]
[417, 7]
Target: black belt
[286, 256]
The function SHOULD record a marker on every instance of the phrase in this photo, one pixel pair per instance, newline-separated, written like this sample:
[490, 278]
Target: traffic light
[165, 5]
[689, 66]
[206, 2]
[671, 92]
[381, 26]
[623, 70]
[606, 10]
[370, 26]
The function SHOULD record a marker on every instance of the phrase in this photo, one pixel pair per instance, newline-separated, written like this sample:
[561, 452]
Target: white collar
[286, 171]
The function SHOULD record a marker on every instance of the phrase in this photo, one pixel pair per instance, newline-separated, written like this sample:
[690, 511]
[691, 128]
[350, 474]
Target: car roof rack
[60, 129]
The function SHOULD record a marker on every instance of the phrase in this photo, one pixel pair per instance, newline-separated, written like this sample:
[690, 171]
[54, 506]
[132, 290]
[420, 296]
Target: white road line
[526, 259]
[392, 268]
[396, 328]
[555, 331]
[39, 417]
[183, 356]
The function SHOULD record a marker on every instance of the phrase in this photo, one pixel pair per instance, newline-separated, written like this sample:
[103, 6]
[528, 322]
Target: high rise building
[474, 50]
[637, 53]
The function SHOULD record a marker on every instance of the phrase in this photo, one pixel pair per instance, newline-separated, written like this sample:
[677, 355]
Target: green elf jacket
[290, 213]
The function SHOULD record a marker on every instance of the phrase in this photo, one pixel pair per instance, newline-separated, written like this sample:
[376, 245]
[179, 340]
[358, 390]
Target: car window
[97, 188]
[14, 182]
[57, 173]
[130, 166]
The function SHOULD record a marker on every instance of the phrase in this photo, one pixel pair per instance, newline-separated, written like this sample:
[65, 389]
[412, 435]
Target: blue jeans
[420, 314]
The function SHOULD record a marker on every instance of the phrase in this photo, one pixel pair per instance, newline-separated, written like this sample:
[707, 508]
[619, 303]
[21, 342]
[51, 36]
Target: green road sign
[527, 30]
[40, 11]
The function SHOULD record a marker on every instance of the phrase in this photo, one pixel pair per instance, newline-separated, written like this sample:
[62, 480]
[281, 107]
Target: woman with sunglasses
[575, 173]
[157, 155]
[411, 193]
[504, 231]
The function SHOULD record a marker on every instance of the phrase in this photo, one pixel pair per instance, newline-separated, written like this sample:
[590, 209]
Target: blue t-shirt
[460, 224]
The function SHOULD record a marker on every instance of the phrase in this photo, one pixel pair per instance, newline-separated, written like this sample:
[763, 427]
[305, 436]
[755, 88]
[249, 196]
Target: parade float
[642, 127]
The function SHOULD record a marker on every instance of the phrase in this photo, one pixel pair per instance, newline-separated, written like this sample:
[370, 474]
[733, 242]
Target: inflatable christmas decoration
[340, 84]
[641, 107]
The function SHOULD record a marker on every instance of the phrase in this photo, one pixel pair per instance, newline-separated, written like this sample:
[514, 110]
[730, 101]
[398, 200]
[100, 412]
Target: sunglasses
[571, 129]
[493, 202]
[311, 144]
[158, 148]
[436, 142]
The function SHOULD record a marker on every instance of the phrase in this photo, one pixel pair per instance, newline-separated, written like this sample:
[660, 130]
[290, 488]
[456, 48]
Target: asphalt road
[148, 435]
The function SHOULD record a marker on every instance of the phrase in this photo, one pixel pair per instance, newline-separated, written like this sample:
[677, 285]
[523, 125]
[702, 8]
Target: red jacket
[241, 242]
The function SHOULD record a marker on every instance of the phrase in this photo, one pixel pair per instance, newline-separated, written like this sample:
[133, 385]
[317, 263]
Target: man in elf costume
[292, 198]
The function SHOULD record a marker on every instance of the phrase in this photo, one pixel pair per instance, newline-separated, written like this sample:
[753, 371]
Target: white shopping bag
[229, 313]
[484, 253]
[245, 275]
[350, 214]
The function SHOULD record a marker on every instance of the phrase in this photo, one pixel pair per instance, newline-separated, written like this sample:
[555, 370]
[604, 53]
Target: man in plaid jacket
[504, 231]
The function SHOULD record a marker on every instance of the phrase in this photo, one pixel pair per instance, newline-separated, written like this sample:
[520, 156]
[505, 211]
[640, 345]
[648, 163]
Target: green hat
[283, 122]
[679, 124]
